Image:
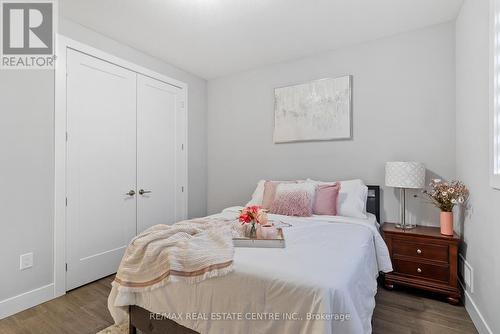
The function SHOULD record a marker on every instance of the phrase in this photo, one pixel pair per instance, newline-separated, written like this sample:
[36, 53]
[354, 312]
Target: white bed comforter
[323, 282]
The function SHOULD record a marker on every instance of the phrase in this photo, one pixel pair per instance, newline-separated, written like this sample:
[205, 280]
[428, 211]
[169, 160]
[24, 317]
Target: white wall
[27, 165]
[26, 179]
[481, 228]
[404, 109]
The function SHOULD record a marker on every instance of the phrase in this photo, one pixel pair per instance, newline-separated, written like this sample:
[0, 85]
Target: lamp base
[405, 226]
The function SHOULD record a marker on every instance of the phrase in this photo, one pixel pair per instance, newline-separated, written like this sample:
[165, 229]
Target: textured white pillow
[294, 199]
[352, 198]
[258, 194]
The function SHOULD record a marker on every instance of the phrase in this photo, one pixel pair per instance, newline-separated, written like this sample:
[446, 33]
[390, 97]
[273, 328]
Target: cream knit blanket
[190, 251]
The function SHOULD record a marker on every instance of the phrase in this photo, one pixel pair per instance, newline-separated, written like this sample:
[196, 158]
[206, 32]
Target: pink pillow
[270, 192]
[293, 199]
[325, 202]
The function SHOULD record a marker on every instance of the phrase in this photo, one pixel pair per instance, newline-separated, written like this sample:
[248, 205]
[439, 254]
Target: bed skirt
[140, 319]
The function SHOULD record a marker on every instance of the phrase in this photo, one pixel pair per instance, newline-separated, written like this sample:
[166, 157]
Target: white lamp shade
[402, 174]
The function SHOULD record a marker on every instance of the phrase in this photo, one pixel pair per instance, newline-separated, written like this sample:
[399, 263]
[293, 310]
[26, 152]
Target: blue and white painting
[318, 110]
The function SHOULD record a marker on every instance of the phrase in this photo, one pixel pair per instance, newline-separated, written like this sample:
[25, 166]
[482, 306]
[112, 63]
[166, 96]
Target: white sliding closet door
[160, 173]
[101, 166]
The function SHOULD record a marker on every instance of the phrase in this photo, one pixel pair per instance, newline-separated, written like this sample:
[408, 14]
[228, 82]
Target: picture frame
[319, 110]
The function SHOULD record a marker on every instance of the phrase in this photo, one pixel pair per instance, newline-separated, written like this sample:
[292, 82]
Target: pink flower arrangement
[253, 213]
[250, 216]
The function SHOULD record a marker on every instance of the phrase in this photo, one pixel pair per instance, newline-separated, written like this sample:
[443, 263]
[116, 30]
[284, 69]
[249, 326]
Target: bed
[324, 282]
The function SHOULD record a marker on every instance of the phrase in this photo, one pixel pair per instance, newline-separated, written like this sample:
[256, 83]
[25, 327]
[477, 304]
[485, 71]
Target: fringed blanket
[190, 251]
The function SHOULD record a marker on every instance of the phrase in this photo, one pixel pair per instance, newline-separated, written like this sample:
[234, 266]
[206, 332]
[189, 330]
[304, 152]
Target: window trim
[494, 106]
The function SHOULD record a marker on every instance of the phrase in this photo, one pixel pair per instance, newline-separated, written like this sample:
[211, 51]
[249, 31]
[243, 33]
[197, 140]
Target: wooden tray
[261, 243]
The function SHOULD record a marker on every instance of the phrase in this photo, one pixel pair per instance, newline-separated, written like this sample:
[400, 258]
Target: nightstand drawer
[420, 250]
[429, 271]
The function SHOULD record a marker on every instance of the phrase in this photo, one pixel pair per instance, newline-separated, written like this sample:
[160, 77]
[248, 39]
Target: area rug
[115, 329]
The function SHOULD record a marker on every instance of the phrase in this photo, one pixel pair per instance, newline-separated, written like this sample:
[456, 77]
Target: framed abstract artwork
[313, 111]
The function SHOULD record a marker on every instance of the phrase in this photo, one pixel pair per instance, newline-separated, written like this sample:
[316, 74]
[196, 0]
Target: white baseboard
[476, 316]
[26, 300]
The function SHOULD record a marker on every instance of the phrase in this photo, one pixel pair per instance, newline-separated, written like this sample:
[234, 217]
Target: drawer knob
[419, 270]
[419, 251]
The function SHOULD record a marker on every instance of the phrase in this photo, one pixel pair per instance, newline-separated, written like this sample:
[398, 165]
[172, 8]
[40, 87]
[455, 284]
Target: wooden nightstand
[423, 258]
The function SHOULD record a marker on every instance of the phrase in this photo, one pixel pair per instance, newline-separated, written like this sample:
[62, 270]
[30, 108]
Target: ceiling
[213, 38]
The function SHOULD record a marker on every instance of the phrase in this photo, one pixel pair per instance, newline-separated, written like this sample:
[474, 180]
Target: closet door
[101, 166]
[160, 189]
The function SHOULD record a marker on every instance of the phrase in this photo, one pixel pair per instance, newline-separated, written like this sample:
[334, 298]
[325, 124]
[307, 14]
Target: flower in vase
[253, 213]
[446, 195]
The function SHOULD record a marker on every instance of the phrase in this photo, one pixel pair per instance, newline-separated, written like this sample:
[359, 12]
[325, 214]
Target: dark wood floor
[84, 311]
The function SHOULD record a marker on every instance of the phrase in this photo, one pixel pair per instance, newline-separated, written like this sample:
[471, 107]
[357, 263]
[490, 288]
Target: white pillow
[352, 198]
[258, 194]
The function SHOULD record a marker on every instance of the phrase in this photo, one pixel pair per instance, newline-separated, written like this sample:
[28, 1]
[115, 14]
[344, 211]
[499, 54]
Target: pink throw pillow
[270, 192]
[293, 199]
[325, 202]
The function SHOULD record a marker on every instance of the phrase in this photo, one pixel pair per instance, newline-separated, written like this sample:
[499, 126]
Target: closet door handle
[130, 193]
[142, 192]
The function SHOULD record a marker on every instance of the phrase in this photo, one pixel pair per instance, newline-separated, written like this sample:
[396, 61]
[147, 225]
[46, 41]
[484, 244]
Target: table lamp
[404, 175]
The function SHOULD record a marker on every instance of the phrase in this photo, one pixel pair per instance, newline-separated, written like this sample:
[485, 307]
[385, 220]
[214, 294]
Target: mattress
[323, 282]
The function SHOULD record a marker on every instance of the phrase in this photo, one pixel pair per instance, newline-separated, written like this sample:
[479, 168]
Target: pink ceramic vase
[446, 223]
[268, 232]
[259, 234]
